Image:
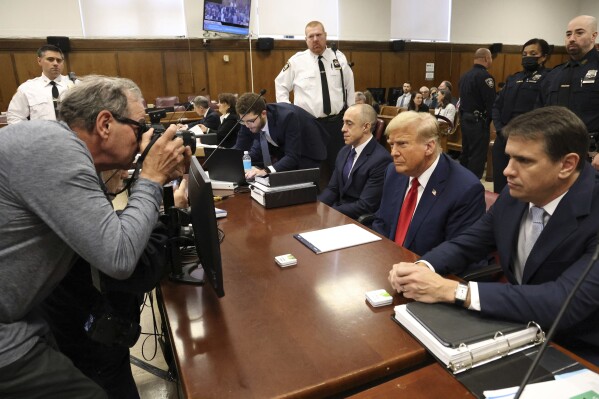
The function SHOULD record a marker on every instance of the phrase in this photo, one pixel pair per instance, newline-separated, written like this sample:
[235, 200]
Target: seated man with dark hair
[280, 136]
[356, 186]
[544, 228]
[428, 197]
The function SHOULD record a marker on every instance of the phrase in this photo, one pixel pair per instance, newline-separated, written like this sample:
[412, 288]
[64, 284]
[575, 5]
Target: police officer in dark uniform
[477, 94]
[518, 96]
[575, 84]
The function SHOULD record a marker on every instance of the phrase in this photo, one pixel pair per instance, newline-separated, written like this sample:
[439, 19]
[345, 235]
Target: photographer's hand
[167, 160]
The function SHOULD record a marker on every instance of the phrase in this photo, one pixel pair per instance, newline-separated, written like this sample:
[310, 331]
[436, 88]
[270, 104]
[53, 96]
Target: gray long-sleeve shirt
[51, 207]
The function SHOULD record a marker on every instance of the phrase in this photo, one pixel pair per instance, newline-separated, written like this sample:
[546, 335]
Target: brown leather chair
[379, 131]
[163, 102]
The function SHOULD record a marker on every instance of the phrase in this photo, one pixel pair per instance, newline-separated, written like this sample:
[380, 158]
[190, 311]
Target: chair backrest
[390, 110]
[490, 198]
[379, 130]
[166, 101]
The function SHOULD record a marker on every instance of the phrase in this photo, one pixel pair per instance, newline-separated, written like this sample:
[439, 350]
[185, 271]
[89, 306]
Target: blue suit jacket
[452, 201]
[361, 193]
[562, 251]
[301, 139]
[211, 120]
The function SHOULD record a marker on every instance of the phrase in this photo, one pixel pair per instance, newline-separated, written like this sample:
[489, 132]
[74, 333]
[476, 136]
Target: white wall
[364, 20]
[39, 18]
[473, 21]
[511, 21]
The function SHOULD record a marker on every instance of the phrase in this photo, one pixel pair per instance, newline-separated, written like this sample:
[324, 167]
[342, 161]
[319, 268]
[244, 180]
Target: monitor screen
[227, 16]
[205, 230]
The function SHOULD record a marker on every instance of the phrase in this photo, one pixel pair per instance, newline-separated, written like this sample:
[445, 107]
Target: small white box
[286, 260]
[379, 298]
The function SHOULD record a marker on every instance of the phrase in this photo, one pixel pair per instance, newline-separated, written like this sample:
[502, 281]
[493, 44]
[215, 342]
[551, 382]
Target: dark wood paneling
[266, 65]
[9, 82]
[367, 69]
[101, 63]
[227, 77]
[185, 74]
[418, 62]
[190, 67]
[26, 66]
[395, 68]
[146, 69]
[512, 64]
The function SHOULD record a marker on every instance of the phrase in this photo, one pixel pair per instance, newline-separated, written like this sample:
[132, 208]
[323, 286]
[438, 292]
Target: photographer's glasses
[140, 125]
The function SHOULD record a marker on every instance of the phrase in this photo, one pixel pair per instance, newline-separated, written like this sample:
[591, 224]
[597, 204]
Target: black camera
[189, 139]
[111, 330]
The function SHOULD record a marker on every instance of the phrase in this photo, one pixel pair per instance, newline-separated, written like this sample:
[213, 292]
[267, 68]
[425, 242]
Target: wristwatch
[461, 293]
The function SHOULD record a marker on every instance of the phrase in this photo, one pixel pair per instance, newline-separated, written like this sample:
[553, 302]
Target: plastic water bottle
[247, 161]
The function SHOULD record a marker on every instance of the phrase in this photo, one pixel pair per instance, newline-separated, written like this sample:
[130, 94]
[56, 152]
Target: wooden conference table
[303, 331]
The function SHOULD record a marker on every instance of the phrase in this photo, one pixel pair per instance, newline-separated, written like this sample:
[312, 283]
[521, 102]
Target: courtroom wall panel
[267, 65]
[227, 77]
[185, 74]
[94, 62]
[395, 69]
[367, 69]
[9, 81]
[185, 67]
[146, 68]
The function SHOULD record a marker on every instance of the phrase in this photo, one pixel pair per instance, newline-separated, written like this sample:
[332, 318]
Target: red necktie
[407, 210]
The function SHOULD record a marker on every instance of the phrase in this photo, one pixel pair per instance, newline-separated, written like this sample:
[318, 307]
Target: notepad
[333, 238]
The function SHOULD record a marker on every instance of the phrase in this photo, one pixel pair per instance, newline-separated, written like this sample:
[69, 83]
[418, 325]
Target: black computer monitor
[394, 93]
[378, 93]
[205, 230]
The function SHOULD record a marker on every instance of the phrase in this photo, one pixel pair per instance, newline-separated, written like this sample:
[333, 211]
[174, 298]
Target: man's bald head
[483, 57]
[580, 36]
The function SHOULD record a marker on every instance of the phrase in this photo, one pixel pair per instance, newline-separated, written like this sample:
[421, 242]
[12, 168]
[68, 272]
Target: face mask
[530, 63]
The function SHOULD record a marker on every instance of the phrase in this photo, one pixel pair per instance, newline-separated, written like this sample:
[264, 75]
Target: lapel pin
[434, 192]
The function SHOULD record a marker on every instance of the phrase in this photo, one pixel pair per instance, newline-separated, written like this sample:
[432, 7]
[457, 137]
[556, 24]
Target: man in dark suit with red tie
[356, 186]
[428, 198]
[279, 136]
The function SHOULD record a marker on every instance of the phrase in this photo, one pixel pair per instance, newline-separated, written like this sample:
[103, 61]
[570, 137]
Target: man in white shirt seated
[404, 100]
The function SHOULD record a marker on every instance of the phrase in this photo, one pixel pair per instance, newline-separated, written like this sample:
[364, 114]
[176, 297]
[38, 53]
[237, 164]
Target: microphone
[262, 92]
[558, 318]
[73, 76]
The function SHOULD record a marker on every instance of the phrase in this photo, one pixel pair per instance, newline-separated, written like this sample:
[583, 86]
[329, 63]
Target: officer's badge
[490, 82]
[536, 77]
[590, 76]
[336, 64]
[286, 67]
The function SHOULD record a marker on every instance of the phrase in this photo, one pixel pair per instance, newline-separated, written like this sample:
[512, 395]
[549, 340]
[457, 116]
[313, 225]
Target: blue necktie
[348, 164]
[264, 148]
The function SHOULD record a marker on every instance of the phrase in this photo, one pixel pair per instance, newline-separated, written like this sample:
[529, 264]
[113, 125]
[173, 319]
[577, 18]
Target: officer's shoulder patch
[490, 82]
[286, 67]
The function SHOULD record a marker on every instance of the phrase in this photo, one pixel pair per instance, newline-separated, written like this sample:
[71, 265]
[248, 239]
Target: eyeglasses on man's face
[140, 126]
[250, 121]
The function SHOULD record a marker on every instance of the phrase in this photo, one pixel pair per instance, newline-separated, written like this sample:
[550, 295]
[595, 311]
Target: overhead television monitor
[203, 221]
[227, 16]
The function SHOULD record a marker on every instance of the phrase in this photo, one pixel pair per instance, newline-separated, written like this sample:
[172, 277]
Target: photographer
[53, 209]
[96, 329]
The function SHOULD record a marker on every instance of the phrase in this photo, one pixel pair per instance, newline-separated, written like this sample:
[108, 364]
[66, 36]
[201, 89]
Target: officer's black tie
[326, 99]
[55, 97]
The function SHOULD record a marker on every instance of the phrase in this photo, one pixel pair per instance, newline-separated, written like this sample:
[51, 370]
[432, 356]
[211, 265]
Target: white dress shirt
[302, 76]
[33, 99]
[404, 101]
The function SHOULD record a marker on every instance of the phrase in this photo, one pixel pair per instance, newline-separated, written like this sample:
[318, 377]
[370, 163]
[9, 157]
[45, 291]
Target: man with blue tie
[428, 197]
[544, 229]
[357, 183]
[279, 136]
